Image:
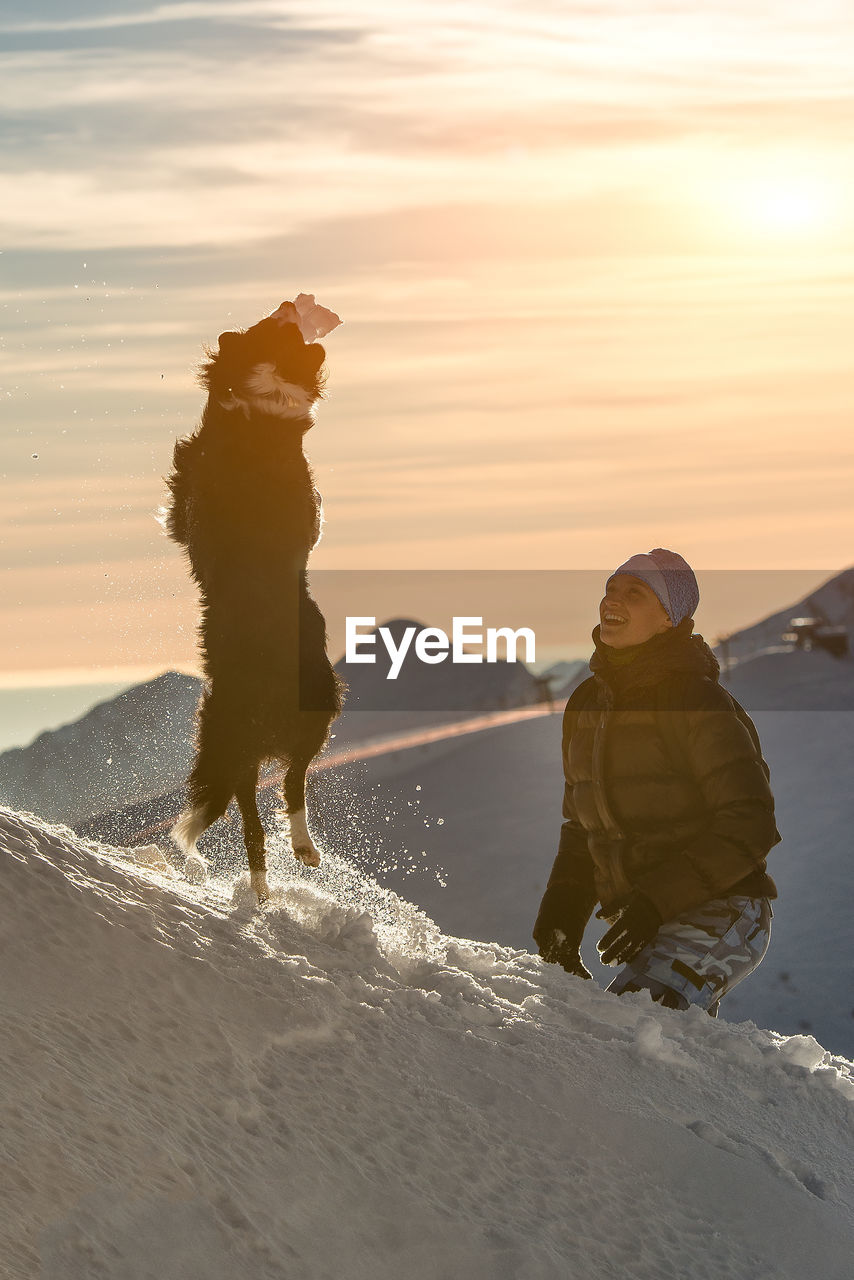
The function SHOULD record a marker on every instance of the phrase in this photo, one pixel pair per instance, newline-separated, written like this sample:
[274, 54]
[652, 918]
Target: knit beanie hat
[670, 577]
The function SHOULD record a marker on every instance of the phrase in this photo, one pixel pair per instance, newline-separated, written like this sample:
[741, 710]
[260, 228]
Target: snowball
[804, 1051]
[196, 869]
[149, 855]
[651, 1043]
[312, 320]
[243, 895]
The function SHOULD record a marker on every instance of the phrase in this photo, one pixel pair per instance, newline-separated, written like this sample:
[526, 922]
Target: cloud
[453, 97]
[520, 211]
[217, 11]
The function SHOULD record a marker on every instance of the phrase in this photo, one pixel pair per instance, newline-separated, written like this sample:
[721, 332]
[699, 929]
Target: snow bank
[192, 1087]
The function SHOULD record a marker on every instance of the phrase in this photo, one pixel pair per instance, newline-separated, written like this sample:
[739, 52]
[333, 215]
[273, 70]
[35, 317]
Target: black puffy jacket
[680, 811]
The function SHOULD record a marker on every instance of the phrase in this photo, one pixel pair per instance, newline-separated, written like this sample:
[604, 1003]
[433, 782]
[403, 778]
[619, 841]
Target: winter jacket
[637, 818]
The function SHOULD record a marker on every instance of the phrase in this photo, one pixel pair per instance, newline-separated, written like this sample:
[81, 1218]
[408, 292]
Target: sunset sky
[595, 264]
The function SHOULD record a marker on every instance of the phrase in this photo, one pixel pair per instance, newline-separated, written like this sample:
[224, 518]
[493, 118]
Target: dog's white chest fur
[264, 391]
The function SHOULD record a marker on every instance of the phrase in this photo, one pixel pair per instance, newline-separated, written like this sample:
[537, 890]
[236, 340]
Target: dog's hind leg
[210, 785]
[294, 791]
[253, 832]
[207, 803]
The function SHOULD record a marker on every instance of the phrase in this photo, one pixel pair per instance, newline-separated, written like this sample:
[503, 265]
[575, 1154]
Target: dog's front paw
[307, 855]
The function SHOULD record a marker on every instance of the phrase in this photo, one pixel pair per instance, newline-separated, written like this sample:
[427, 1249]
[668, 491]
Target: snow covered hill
[329, 1087]
[134, 745]
[562, 677]
[793, 680]
[832, 602]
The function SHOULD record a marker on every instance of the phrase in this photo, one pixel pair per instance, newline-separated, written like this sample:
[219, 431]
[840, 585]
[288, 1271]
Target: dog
[243, 504]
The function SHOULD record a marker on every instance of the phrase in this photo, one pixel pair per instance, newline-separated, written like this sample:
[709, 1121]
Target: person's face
[638, 614]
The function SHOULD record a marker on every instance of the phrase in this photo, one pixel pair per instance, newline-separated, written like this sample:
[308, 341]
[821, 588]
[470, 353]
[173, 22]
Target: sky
[594, 263]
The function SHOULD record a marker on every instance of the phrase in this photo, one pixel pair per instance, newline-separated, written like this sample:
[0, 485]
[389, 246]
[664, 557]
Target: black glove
[636, 925]
[556, 948]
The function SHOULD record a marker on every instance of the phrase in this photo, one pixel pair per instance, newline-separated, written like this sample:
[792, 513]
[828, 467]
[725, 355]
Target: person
[668, 812]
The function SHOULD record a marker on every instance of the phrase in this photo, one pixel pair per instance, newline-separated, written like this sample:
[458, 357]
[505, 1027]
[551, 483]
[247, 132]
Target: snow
[192, 1087]
[833, 602]
[467, 825]
[132, 746]
[804, 983]
[500, 794]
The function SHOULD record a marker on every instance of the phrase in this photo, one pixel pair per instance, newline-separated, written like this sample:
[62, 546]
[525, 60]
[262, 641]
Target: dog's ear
[315, 354]
[227, 341]
[222, 365]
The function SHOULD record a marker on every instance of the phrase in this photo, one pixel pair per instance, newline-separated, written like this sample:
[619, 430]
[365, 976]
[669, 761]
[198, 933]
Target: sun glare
[794, 207]
[775, 199]
[789, 206]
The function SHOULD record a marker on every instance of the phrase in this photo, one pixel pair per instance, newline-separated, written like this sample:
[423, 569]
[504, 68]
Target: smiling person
[668, 812]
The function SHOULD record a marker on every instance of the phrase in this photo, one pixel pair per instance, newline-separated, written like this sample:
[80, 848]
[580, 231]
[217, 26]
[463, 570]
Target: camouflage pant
[701, 955]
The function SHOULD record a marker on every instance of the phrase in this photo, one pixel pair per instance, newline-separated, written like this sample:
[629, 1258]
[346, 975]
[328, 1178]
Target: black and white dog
[244, 505]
